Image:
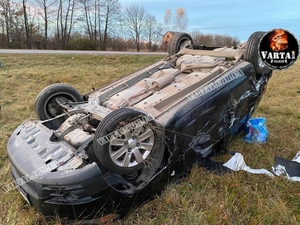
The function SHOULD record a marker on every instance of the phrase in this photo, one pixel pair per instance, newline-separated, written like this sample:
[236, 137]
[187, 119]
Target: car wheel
[178, 41]
[251, 53]
[46, 106]
[127, 140]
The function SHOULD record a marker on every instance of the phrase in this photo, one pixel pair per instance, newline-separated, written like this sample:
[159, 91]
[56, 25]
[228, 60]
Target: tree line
[84, 25]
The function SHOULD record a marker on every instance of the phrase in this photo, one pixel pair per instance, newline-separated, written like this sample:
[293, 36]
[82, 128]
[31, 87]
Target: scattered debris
[256, 131]
[288, 168]
[237, 163]
[282, 167]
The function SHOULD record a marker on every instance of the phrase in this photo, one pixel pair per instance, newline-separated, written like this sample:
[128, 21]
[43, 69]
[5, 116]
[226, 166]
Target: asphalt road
[72, 52]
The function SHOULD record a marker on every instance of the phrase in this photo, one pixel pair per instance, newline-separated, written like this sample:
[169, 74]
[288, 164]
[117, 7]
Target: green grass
[201, 198]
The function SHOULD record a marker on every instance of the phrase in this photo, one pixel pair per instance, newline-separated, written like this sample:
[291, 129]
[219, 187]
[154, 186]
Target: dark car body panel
[129, 139]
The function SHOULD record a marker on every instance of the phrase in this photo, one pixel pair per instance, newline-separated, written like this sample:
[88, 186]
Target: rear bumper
[54, 189]
[50, 197]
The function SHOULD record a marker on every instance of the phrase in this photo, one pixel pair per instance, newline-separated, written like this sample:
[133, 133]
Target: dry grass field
[201, 198]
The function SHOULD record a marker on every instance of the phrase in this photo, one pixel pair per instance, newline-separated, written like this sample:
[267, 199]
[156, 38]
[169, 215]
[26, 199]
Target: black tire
[252, 55]
[45, 105]
[178, 41]
[132, 149]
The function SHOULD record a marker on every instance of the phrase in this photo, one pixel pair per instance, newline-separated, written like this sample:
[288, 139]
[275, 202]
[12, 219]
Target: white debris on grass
[237, 163]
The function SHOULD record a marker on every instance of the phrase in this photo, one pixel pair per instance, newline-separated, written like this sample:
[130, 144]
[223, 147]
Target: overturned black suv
[114, 148]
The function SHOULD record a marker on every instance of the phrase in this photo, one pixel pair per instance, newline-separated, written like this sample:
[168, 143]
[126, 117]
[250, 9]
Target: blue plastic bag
[256, 131]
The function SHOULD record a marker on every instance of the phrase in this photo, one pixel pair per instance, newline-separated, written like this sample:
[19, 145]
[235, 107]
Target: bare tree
[168, 19]
[91, 17]
[64, 22]
[111, 16]
[101, 17]
[180, 19]
[26, 23]
[153, 31]
[46, 13]
[14, 23]
[2, 32]
[177, 21]
[134, 20]
[29, 13]
[5, 12]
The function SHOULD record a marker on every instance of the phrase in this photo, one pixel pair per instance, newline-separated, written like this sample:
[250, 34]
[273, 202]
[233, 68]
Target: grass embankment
[201, 198]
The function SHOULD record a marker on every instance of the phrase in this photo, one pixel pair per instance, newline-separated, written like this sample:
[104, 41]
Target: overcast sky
[237, 18]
